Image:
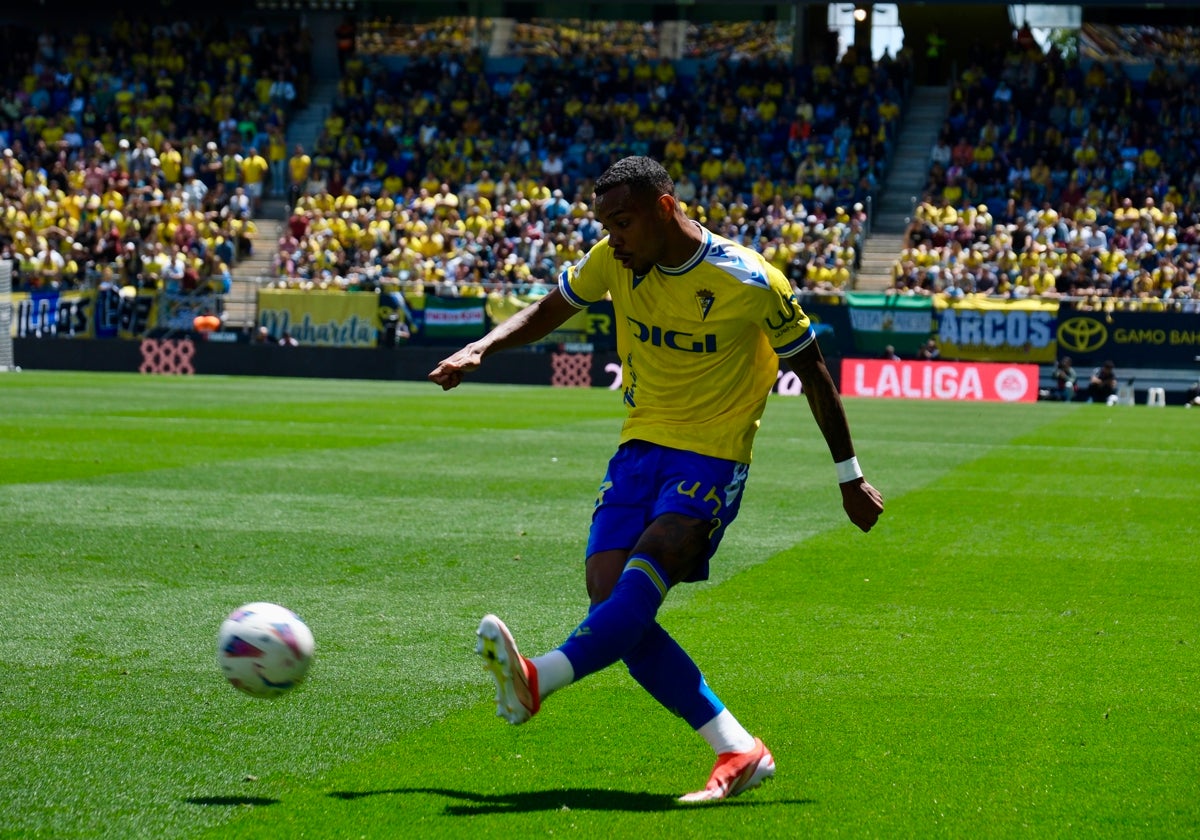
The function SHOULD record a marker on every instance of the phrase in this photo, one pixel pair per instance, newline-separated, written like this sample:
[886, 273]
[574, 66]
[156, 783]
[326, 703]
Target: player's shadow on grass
[578, 799]
[231, 800]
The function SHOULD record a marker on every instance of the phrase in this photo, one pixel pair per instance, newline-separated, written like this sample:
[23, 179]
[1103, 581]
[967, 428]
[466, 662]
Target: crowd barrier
[196, 354]
[968, 329]
[149, 331]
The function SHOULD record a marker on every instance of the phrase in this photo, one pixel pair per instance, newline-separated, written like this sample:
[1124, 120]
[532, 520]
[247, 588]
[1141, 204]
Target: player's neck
[684, 246]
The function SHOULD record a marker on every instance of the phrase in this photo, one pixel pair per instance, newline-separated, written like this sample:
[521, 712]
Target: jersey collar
[696, 258]
[692, 262]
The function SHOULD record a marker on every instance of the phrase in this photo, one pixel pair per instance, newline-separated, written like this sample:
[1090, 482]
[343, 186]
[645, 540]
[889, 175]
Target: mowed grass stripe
[980, 664]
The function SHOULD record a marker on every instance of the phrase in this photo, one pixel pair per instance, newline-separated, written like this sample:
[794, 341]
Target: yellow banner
[502, 307]
[987, 330]
[321, 319]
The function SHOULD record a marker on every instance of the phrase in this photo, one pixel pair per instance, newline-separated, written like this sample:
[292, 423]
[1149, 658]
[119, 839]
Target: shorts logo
[605, 486]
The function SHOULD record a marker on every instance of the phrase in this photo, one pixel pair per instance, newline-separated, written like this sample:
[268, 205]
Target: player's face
[635, 228]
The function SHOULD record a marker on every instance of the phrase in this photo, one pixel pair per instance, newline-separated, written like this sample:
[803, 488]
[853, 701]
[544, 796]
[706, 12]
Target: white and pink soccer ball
[264, 649]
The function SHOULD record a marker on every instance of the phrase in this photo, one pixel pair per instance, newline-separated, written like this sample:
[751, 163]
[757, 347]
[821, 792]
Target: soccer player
[701, 324]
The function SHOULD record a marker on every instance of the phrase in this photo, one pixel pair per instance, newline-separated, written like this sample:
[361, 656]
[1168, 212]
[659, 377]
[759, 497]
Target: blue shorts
[645, 480]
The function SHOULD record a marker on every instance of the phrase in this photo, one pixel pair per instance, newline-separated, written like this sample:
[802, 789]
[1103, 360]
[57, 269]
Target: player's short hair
[643, 175]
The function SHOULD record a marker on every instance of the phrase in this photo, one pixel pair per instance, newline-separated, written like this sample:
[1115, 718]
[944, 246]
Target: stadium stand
[456, 154]
[1057, 178]
[167, 135]
[477, 178]
[127, 152]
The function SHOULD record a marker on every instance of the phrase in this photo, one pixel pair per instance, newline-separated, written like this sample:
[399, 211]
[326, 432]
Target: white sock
[724, 734]
[554, 671]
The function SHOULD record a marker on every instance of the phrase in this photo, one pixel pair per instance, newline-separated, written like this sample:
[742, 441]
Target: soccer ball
[264, 649]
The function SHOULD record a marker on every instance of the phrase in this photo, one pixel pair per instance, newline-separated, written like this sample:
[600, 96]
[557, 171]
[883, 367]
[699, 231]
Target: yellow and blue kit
[699, 343]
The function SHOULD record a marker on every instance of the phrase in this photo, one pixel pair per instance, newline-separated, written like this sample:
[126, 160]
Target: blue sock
[665, 670]
[614, 628]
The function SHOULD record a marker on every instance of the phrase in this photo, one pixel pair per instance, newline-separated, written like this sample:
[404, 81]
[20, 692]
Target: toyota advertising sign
[962, 381]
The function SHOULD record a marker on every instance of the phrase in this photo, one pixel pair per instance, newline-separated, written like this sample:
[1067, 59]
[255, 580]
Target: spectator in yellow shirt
[710, 169]
[171, 162]
[299, 166]
[254, 175]
[277, 158]
[734, 168]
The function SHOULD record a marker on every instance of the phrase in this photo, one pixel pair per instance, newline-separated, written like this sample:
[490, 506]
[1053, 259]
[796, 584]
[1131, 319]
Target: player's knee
[603, 569]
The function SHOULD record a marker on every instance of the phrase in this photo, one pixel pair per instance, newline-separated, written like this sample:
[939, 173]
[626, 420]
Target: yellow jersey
[699, 344]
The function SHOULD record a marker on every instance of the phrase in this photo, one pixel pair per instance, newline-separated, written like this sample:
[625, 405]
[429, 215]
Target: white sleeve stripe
[572, 298]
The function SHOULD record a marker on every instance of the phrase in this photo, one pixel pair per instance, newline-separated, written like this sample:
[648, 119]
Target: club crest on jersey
[704, 300]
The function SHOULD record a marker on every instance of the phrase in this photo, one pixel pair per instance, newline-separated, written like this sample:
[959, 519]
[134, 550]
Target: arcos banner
[987, 329]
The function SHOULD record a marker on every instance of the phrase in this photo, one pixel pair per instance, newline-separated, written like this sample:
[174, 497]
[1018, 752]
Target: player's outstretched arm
[530, 324]
[862, 502]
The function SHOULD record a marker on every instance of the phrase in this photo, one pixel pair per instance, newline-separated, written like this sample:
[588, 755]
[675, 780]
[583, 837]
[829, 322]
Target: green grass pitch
[1013, 652]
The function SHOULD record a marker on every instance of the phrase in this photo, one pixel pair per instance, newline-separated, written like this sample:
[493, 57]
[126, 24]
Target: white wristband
[848, 470]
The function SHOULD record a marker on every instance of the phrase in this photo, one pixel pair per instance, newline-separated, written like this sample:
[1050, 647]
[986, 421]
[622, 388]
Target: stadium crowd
[141, 155]
[137, 155]
[1052, 179]
[480, 177]
[122, 166]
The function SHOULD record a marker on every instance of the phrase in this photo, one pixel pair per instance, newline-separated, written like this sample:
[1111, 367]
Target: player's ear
[666, 205]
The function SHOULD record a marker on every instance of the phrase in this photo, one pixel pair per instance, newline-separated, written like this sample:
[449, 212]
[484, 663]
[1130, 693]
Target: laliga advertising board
[966, 381]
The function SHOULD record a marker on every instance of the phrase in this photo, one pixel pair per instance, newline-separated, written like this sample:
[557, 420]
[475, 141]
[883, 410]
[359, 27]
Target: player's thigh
[681, 544]
[671, 505]
[698, 498]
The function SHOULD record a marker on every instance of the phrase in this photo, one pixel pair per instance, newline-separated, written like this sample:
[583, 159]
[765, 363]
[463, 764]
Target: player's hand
[862, 502]
[451, 370]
